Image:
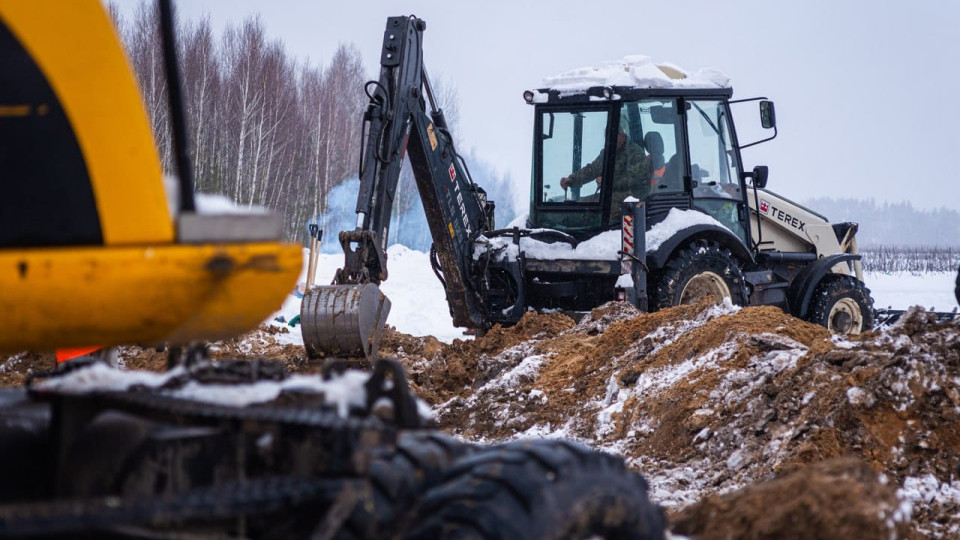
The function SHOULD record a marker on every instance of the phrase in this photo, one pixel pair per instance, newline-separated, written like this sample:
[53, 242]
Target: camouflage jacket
[631, 175]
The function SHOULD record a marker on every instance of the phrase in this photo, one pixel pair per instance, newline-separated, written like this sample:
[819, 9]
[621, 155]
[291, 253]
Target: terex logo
[782, 216]
[460, 203]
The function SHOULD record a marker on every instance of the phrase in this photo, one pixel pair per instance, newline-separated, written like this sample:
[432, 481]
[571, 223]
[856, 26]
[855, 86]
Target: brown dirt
[841, 498]
[441, 372]
[15, 368]
[706, 401]
[736, 417]
[259, 343]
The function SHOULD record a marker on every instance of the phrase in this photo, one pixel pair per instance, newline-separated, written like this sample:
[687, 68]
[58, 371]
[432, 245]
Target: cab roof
[630, 78]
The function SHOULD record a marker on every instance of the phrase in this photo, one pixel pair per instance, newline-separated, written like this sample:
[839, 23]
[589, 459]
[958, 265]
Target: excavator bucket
[343, 320]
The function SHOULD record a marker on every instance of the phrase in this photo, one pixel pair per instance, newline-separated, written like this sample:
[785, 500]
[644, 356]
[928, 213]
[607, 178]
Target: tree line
[890, 259]
[892, 224]
[265, 128]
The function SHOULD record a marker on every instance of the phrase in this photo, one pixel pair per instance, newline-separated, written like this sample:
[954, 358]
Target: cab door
[716, 185]
[568, 140]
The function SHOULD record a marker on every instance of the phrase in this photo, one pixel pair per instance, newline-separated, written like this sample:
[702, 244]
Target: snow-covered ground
[420, 307]
[931, 290]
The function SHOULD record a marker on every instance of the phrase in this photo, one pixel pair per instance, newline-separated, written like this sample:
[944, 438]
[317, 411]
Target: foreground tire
[843, 305]
[702, 270]
[399, 476]
[543, 489]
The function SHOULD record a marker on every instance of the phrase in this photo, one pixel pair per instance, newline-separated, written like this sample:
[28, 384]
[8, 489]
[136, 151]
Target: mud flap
[343, 320]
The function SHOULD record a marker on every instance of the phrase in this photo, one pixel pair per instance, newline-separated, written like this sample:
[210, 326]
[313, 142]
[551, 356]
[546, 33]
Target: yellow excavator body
[75, 47]
[168, 293]
[90, 253]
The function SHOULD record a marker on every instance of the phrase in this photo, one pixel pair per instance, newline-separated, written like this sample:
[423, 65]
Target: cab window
[655, 124]
[571, 140]
[713, 165]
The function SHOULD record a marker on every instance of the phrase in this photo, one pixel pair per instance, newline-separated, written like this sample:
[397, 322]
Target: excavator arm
[346, 318]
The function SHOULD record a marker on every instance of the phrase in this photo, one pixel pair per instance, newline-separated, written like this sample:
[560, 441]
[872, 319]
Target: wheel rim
[845, 317]
[705, 285]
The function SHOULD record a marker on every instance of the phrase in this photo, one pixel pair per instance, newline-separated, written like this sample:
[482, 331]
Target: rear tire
[700, 270]
[843, 305]
[544, 489]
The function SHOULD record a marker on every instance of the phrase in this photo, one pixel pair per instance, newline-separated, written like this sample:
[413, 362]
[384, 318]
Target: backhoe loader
[683, 221]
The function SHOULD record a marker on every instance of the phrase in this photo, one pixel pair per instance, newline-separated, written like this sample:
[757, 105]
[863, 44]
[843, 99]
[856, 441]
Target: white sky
[867, 92]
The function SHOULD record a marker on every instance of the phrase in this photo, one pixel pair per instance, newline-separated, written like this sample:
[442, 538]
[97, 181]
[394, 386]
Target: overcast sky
[867, 93]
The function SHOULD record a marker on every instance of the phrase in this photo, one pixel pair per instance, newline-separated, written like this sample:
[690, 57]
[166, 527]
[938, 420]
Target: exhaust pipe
[343, 320]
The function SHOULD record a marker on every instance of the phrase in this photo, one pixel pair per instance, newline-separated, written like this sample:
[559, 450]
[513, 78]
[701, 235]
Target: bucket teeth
[343, 320]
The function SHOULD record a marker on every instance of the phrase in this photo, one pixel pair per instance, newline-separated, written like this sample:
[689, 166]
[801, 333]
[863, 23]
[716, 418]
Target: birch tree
[200, 70]
[243, 51]
[142, 39]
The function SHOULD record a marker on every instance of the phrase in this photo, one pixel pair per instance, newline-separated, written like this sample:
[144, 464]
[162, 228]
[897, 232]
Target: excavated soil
[260, 343]
[15, 368]
[747, 423]
[721, 408]
[839, 498]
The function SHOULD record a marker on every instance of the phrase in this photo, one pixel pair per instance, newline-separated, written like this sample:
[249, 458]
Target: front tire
[702, 270]
[843, 305]
[545, 489]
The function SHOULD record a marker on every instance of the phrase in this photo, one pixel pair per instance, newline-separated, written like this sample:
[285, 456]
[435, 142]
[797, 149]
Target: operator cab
[669, 147]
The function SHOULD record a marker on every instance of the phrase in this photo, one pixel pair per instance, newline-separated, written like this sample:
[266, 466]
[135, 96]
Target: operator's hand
[565, 182]
[599, 181]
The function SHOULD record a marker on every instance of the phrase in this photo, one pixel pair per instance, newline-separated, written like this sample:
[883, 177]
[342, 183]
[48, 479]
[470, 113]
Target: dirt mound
[706, 400]
[441, 372]
[812, 504]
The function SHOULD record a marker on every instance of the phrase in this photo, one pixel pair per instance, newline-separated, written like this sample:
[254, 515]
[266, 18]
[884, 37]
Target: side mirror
[759, 176]
[768, 115]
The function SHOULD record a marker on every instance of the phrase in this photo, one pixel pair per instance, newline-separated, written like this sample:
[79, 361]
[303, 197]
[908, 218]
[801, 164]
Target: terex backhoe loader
[728, 237]
[89, 255]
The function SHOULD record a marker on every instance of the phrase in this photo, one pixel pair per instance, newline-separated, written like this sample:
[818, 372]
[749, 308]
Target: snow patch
[602, 247]
[525, 371]
[859, 397]
[220, 204]
[634, 71]
[100, 377]
[676, 221]
[340, 391]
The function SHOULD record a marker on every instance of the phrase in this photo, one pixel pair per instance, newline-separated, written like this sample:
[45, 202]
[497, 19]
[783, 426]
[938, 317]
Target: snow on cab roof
[636, 71]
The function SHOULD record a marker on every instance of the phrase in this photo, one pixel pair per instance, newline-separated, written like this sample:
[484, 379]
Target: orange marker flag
[69, 354]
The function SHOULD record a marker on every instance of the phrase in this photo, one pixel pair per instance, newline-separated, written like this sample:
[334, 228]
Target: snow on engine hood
[602, 247]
